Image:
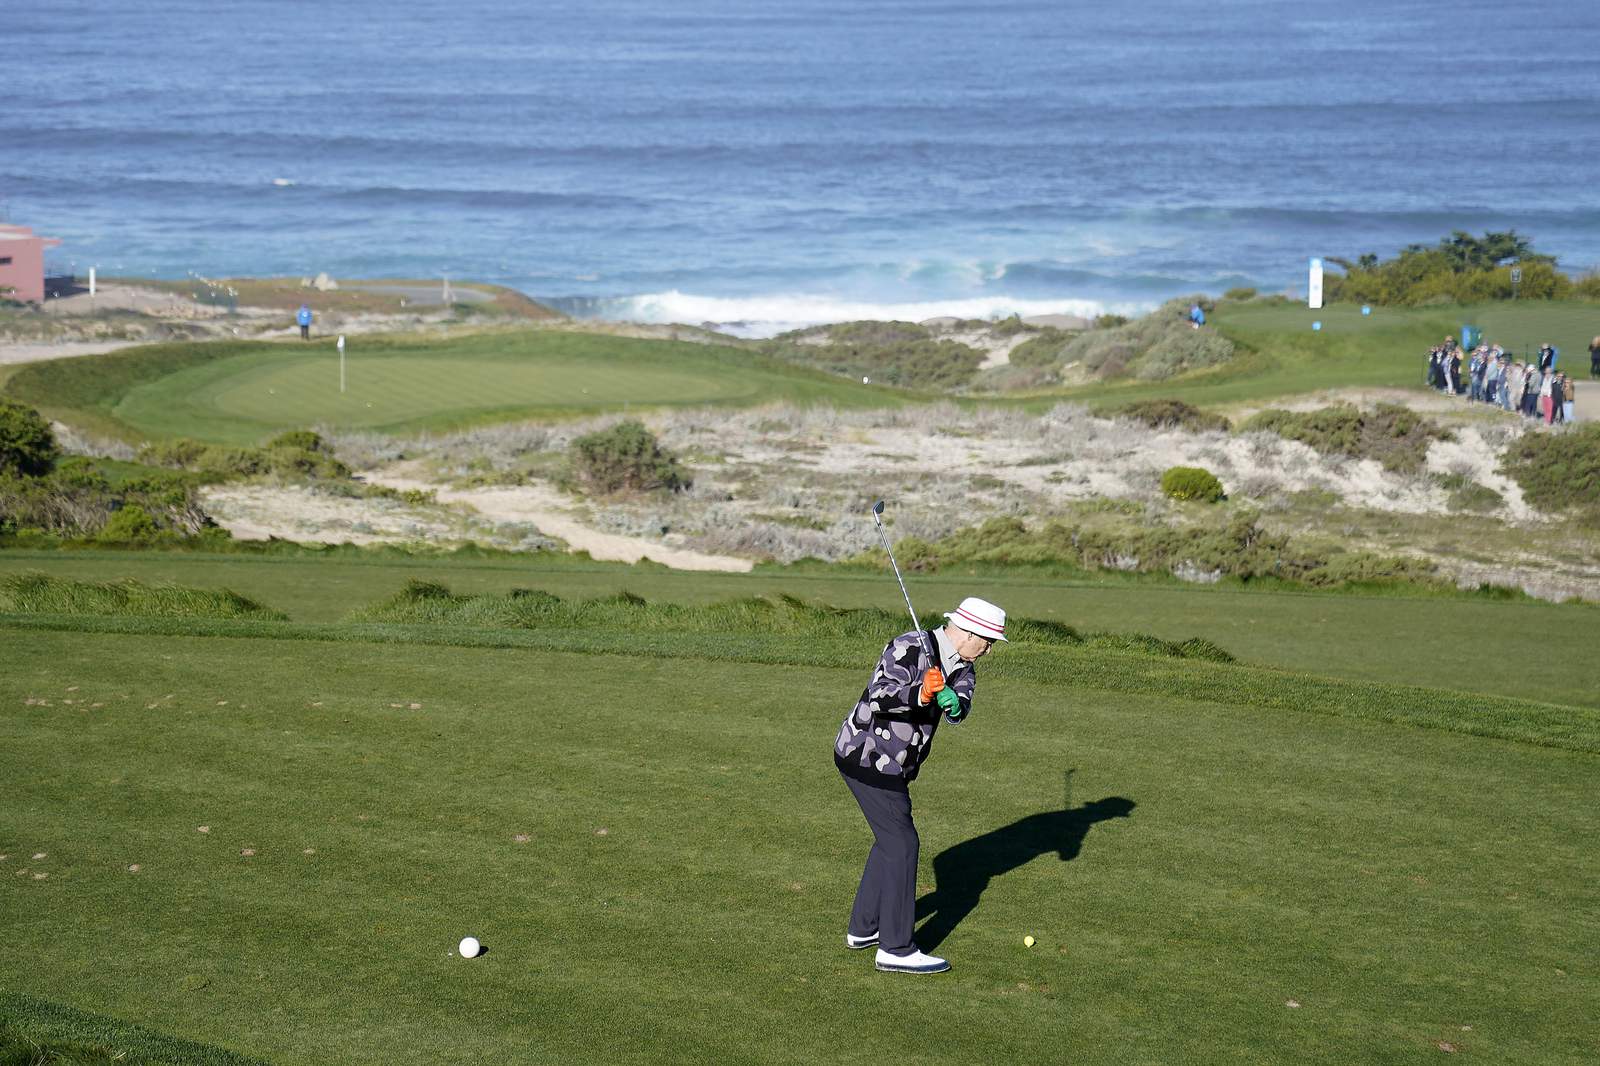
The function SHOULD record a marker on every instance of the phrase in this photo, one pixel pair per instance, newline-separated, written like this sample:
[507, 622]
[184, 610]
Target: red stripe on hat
[987, 625]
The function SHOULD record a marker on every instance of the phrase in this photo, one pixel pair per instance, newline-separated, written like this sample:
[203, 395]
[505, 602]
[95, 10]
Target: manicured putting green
[245, 395]
[396, 389]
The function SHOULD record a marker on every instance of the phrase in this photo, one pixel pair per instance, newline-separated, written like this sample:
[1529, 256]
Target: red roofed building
[22, 263]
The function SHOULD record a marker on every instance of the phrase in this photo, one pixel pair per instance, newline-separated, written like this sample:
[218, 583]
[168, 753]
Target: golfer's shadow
[962, 872]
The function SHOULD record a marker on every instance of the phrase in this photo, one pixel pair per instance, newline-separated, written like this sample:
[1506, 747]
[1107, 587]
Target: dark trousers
[305, 333]
[886, 902]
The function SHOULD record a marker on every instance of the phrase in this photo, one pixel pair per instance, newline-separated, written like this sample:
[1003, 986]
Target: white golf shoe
[856, 943]
[916, 962]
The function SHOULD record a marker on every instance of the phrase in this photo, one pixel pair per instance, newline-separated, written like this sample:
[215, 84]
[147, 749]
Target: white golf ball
[469, 947]
[1027, 941]
[866, 380]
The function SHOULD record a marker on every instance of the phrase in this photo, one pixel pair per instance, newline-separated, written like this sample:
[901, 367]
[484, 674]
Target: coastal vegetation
[625, 457]
[1393, 434]
[1560, 471]
[1234, 545]
[904, 354]
[1460, 269]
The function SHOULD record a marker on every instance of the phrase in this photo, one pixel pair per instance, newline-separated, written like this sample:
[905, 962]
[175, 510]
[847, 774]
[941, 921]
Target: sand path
[36, 352]
[545, 508]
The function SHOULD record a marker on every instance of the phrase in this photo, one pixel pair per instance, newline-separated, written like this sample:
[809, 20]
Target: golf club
[877, 520]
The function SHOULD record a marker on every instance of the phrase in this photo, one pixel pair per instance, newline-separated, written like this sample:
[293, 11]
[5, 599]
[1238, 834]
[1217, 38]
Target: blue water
[770, 163]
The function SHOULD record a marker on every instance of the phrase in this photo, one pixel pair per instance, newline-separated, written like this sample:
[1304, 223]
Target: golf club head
[877, 509]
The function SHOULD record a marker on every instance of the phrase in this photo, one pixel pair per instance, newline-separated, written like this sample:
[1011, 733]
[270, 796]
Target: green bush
[1040, 350]
[27, 446]
[1460, 269]
[1170, 414]
[1191, 483]
[1239, 294]
[625, 458]
[1559, 471]
[129, 525]
[300, 440]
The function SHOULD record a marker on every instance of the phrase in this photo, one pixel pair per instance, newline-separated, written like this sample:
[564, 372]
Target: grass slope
[660, 858]
[243, 392]
[1398, 640]
[1280, 354]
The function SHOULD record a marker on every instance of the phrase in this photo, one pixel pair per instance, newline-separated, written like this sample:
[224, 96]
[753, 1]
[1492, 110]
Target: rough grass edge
[59, 1031]
[1506, 718]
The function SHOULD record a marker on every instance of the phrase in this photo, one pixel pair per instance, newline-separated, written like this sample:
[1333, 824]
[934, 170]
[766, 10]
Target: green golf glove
[949, 703]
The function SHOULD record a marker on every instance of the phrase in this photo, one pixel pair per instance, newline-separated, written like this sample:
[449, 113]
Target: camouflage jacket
[887, 736]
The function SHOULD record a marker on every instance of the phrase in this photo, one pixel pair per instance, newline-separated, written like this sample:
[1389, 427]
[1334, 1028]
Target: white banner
[1314, 289]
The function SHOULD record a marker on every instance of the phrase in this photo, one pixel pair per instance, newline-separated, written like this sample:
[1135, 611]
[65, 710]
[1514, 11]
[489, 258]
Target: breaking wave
[766, 316]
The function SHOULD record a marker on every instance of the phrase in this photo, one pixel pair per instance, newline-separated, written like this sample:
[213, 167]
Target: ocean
[765, 164]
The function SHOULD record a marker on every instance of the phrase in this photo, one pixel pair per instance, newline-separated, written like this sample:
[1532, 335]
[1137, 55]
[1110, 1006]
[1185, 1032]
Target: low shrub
[1396, 436]
[300, 453]
[1460, 269]
[1191, 483]
[624, 458]
[27, 446]
[1240, 294]
[1559, 471]
[1170, 414]
[129, 525]
[76, 500]
[1237, 547]
[1041, 350]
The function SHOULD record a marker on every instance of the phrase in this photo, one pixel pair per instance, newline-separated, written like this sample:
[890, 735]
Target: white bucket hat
[980, 617]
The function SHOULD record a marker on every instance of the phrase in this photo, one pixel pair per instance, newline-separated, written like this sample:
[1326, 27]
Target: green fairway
[660, 857]
[245, 392]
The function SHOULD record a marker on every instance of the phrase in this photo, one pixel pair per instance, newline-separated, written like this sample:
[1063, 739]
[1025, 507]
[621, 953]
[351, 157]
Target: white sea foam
[765, 316]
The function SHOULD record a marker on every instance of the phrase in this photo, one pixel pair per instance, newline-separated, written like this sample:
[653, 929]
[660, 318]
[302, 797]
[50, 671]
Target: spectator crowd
[1490, 374]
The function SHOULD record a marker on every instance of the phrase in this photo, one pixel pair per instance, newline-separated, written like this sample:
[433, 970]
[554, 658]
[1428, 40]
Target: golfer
[879, 750]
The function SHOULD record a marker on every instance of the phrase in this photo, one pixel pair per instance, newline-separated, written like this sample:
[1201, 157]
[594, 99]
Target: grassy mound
[37, 593]
[1395, 436]
[1152, 348]
[1169, 414]
[894, 353]
[430, 603]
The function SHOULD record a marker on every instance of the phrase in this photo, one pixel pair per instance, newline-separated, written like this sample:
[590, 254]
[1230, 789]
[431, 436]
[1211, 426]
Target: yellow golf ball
[1027, 941]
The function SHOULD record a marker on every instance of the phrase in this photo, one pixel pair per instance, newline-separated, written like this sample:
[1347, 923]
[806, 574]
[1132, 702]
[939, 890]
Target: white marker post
[341, 364]
[1314, 289]
[91, 283]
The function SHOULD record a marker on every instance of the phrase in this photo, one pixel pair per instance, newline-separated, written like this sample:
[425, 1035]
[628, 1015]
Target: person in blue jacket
[1197, 315]
[304, 318]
